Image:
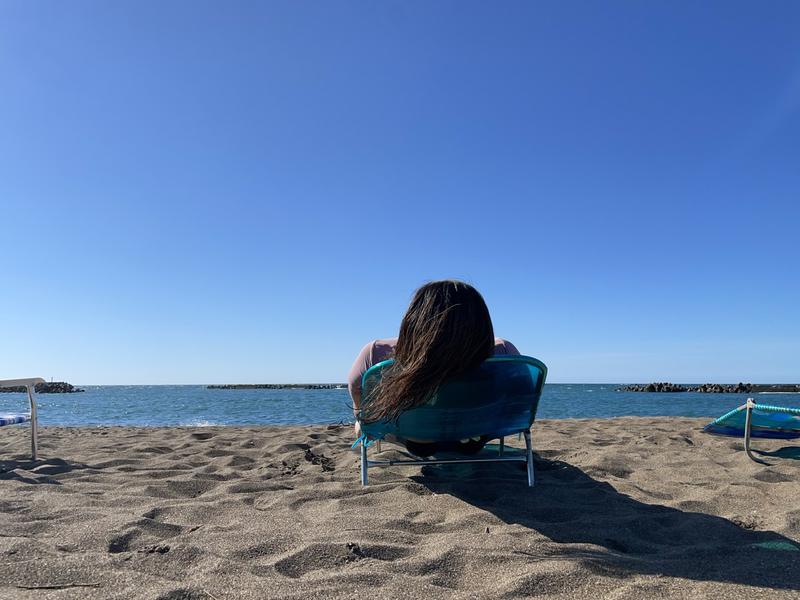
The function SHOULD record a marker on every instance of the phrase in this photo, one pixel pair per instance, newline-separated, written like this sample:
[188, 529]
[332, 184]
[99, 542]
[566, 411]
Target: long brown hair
[446, 331]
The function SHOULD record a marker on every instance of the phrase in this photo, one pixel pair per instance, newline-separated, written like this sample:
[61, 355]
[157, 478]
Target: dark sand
[623, 508]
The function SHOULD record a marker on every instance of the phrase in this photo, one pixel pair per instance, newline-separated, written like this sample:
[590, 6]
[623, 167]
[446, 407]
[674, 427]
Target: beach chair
[17, 418]
[499, 399]
[758, 420]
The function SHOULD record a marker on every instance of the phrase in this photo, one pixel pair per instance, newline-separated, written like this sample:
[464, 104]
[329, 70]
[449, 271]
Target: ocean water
[157, 405]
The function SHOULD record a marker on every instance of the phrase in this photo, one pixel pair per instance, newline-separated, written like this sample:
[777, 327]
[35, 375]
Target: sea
[197, 406]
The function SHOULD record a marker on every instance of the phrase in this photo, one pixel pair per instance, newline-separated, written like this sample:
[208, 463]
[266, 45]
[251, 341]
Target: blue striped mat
[768, 421]
[13, 419]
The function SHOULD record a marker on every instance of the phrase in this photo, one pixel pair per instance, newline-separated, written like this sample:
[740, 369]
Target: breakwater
[277, 386]
[713, 388]
[50, 387]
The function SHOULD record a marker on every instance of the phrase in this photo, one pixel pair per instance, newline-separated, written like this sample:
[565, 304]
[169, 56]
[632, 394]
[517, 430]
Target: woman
[446, 332]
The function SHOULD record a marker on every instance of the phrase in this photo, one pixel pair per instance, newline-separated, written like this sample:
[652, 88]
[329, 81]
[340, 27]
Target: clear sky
[197, 192]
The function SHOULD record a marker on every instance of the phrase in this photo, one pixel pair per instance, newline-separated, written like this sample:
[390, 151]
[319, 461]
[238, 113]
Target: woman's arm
[371, 354]
[362, 362]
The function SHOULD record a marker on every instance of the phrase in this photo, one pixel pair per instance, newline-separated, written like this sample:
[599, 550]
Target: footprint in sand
[185, 594]
[333, 556]
[181, 489]
[147, 530]
[768, 476]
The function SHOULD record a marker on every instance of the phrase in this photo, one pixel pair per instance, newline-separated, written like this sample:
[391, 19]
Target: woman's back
[383, 349]
[446, 332]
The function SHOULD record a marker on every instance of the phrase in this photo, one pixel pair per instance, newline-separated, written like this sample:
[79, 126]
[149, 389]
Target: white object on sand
[15, 418]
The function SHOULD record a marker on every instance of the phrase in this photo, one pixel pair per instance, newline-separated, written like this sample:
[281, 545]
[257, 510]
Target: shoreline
[629, 506]
[268, 426]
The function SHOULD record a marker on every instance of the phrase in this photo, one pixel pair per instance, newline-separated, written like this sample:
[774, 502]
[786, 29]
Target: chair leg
[378, 447]
[364, 465]
[748, 425]
[502, 446]
[529, 457]
[34, 424]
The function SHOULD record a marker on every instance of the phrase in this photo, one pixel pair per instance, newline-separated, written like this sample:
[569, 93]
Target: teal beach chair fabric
[758, 420]
[500, 398]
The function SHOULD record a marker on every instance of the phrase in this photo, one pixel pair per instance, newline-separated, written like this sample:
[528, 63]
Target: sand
[623, 508]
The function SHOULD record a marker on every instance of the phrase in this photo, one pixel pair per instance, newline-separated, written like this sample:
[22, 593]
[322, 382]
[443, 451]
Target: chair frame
[30, 385]
[749, 406]
[527, 458]
[748, 425]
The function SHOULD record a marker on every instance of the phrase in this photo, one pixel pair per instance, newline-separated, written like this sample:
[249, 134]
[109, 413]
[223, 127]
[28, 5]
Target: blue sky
[202, 192]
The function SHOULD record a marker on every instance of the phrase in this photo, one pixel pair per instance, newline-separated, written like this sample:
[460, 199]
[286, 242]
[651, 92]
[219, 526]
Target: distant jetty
[713, 388]
[51, 387]
[278, 386]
